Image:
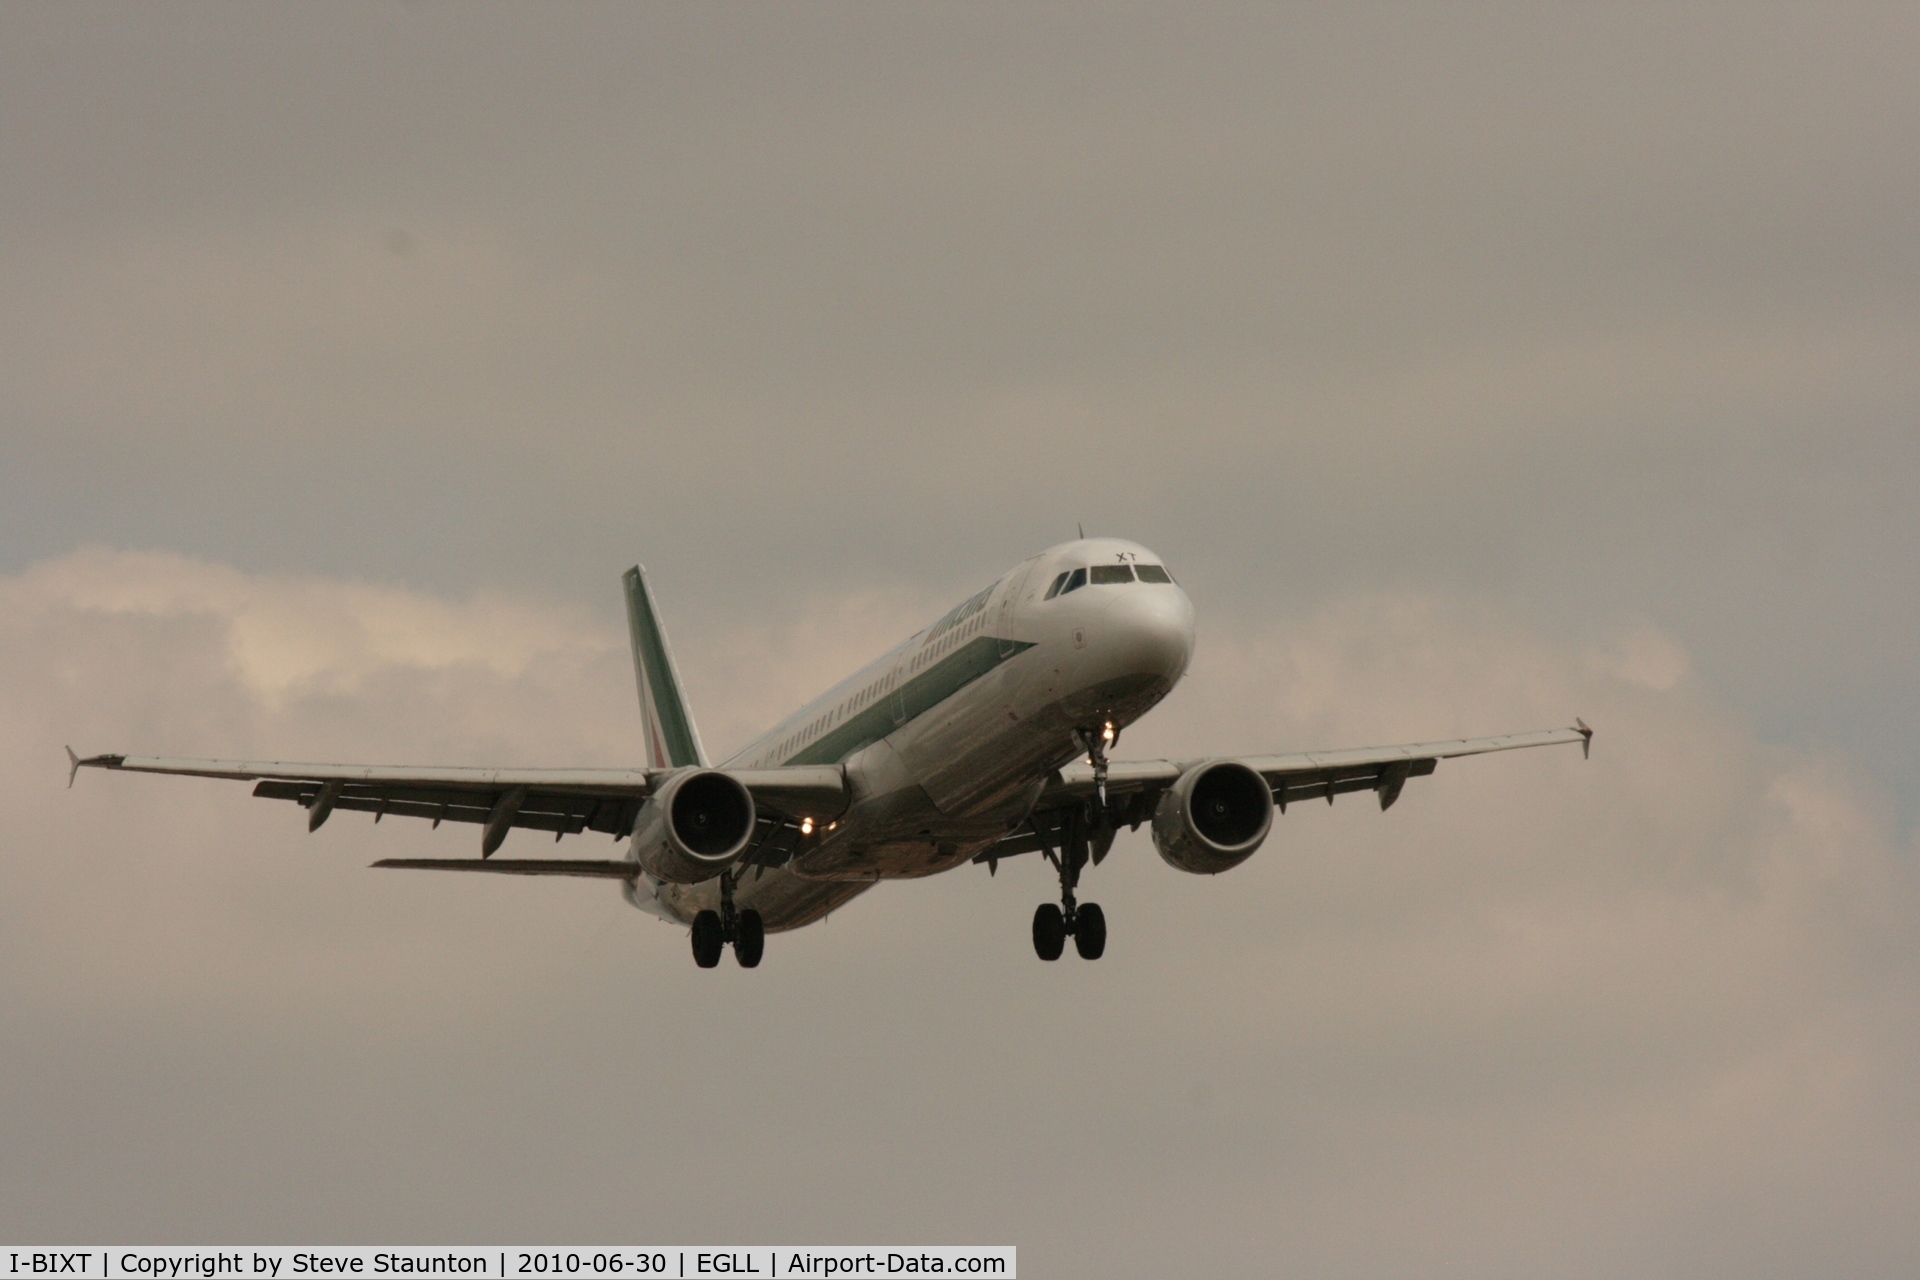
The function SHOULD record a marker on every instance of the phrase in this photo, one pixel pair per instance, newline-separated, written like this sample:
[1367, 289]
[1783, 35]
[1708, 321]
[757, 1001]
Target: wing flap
[1325, 784]
[565, 813]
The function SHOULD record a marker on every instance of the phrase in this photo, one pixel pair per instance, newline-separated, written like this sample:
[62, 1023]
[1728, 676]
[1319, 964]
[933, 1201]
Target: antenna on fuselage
[1082, 528]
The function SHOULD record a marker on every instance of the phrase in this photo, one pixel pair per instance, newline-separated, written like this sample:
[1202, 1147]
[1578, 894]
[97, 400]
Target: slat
[1315, 786]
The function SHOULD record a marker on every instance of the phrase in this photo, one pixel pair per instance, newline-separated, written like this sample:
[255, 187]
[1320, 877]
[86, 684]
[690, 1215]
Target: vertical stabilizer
[672, 741]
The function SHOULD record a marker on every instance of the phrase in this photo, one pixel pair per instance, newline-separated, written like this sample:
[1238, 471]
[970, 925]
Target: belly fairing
[783, 899]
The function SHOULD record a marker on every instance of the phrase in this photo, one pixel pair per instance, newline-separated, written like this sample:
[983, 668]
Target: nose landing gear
[1096, 742]
[713, 930]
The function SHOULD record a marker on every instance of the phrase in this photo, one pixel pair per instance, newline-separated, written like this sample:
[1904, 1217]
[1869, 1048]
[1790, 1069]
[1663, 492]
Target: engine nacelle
[1213, 818]
[694, 827]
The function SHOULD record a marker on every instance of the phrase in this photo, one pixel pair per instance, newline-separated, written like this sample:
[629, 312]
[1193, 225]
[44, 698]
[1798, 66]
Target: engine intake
[1213, 818]
[695, 826]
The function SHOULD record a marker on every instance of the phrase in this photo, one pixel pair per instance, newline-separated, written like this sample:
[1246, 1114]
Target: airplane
[983, 736]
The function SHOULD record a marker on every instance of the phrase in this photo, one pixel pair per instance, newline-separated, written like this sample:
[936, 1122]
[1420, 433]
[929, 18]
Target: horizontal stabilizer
[598, 869]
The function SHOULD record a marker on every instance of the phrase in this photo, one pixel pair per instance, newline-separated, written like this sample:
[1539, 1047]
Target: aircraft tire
[1090, 931]
[752, 942]
[1049, 931]
[708, 941]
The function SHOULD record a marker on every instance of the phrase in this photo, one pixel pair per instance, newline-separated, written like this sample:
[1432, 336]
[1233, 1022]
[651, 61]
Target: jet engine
[1213, 818]
[694, 827]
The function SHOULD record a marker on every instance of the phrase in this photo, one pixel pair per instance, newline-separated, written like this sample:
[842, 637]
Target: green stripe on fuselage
[917, 696]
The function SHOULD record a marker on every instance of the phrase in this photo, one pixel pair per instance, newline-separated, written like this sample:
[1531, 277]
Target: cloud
[1649, 1012]
[287, 637]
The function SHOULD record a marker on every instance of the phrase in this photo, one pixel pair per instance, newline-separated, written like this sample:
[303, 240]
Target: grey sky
[1471, 366]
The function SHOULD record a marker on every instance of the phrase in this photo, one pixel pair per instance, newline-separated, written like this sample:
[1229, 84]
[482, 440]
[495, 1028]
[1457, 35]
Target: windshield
[1107, 575]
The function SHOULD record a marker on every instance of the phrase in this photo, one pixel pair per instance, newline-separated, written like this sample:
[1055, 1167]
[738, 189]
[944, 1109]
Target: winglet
[1586, 738]
[75, 763]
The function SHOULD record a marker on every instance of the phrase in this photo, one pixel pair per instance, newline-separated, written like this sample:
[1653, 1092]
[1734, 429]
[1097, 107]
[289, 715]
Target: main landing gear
[713, 930]
[1085, 921]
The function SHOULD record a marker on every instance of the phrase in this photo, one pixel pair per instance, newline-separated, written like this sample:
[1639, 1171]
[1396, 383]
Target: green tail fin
[672, 740]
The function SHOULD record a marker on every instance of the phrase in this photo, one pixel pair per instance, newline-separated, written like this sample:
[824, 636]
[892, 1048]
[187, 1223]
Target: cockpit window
[1054, 590]
[1075, 580]
[1153, 573]
[1108, 574]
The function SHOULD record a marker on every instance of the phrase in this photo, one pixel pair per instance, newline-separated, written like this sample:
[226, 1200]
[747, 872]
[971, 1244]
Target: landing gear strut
[1085, 922]
[713, 930]
[1096, 742]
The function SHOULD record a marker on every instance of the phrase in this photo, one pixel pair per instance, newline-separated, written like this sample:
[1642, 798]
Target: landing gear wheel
[708, 939]
[752, 939]
[1049, 931]
[1090, 931]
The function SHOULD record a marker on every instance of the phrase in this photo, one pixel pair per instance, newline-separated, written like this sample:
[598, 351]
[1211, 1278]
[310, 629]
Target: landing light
[806, 826]
[1107, 732]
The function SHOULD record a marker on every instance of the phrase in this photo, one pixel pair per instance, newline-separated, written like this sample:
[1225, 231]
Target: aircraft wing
[563, 801]
[1134, 786]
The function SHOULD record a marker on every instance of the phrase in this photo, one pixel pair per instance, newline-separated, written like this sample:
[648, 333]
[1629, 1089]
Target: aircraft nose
[1150, 630]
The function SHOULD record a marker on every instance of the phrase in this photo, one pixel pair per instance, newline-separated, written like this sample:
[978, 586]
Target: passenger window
[1108, 574]
[1153, 573]
[1075, 580]
[1054, 590]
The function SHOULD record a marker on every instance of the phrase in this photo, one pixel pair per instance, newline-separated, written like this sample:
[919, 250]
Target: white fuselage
[948, 738]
